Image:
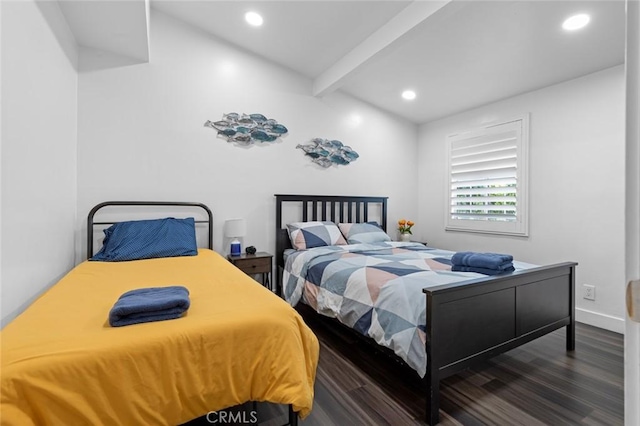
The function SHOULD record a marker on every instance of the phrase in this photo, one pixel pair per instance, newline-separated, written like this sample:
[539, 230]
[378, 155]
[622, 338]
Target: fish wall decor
[326, 152]
[247, 129]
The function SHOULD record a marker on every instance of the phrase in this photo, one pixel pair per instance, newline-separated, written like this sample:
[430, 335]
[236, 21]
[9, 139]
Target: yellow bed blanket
[63, 364]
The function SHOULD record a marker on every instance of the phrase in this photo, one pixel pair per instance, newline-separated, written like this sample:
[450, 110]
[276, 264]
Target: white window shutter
[488, 179]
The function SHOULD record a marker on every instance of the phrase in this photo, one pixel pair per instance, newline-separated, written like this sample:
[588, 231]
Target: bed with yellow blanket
[63, 364]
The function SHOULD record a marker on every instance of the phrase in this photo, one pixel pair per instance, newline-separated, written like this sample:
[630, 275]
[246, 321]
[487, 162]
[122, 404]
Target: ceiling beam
[411, 16]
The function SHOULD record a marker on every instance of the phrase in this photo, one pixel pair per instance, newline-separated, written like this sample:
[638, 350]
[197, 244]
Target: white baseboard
[596, 319]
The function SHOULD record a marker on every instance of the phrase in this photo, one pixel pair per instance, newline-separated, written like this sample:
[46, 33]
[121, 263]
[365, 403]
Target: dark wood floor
[537, 384]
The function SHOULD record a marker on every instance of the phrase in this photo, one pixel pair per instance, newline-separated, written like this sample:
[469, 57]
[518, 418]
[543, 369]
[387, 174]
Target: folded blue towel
[497, 261]
[149, 304]
[486, 271]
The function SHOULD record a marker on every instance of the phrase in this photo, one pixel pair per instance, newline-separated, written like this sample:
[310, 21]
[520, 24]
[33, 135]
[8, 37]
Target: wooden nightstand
[252, 264]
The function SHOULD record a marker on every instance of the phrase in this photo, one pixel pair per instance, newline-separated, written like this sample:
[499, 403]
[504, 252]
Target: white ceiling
[305, 36]
[475, 53]
[455, 54]
[114, 26]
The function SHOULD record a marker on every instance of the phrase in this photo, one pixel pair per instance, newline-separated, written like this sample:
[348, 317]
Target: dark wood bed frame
[91, 224]
[467, 322]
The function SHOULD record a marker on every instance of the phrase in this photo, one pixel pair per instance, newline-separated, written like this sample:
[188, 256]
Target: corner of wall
[39, 59]
[60, 28]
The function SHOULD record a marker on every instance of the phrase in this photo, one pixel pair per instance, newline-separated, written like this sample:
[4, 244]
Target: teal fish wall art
[326, 152]
[247, 129]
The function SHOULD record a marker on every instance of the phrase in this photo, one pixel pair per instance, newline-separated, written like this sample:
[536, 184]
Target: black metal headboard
[336, 208]
[91, 223]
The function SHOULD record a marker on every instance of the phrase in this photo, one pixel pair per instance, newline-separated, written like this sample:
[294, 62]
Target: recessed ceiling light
[409, 95]
[253, 18]
[576, 22]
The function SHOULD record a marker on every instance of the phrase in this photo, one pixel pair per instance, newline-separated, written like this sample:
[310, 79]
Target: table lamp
[234, 229]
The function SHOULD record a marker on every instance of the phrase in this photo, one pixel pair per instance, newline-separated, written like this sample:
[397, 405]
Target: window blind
[486, 179]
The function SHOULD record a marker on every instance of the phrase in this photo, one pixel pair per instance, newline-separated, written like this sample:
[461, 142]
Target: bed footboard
[471, 321]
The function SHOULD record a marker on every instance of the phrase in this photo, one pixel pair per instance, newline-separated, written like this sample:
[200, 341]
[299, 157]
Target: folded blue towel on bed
[495, 261]
[149, 304]
[486, 271]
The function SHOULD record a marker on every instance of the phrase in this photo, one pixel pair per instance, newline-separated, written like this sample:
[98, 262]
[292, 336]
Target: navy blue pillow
[148, 239]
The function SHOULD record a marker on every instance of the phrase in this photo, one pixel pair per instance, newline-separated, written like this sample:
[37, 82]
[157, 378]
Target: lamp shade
[235, 228]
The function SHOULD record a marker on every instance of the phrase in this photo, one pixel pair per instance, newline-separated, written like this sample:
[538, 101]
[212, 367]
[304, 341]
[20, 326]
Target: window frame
[519, 227]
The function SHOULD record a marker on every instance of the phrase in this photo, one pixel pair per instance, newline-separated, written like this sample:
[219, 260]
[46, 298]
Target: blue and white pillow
[357, 233]
[305, 235]
[148, 239]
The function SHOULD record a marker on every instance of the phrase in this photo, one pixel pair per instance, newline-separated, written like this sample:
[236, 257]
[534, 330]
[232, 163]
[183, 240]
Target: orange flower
[404, 226]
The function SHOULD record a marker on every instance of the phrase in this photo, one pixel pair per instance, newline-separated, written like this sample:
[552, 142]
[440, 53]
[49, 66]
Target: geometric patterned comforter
[375, 289]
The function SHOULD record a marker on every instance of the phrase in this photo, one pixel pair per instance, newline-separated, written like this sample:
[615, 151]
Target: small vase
[405, 237]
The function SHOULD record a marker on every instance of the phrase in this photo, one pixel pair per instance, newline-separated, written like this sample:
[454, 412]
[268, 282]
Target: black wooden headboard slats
[335, 208]
[91, 223]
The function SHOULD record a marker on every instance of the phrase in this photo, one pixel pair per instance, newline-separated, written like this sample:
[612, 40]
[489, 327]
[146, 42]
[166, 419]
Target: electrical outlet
[589, 292]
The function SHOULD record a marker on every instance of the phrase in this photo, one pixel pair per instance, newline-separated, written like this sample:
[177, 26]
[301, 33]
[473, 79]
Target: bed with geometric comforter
[376, 289]
[404, 296]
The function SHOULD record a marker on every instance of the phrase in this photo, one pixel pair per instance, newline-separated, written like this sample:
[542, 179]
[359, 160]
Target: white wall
[39, 105]
[632, 330]
[1, 143]
[141, 134]
[576, 192]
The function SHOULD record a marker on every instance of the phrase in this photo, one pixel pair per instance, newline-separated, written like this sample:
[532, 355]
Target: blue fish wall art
[326, 153]
[247, 129]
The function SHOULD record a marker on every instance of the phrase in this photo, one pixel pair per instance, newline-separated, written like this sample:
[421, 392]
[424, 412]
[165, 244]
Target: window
[488, 179]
